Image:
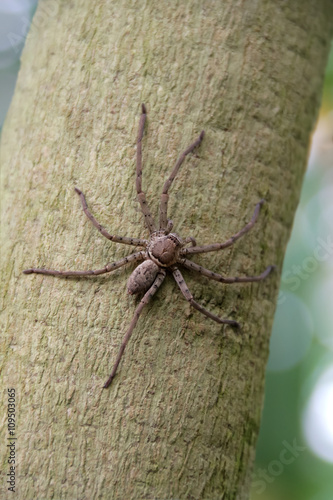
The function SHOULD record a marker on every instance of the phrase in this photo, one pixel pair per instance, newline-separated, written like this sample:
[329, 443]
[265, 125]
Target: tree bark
[182, 415]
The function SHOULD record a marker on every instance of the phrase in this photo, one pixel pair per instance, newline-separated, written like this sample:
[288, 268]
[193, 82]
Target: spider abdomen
[142, 277]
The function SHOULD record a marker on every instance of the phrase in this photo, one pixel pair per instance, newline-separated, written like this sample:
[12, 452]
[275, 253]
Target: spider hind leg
[188, 296]
[144, 301]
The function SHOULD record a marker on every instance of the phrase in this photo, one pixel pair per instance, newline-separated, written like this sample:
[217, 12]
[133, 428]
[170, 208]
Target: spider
[164, 250]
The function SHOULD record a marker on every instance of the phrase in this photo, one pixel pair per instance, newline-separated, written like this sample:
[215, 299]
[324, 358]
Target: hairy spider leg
[188, 296]
[191, 240]
[107, 269]
[149, 220]
[168, 182]
[230, 241]
[103, 231]
[144, 301]
[218, 277]
[169, 226]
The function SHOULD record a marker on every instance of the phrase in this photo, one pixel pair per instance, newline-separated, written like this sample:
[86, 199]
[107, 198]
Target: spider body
[162, 251]
[142, 277]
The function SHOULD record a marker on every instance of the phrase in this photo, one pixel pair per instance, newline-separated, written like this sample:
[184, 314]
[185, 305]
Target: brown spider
[163, 250]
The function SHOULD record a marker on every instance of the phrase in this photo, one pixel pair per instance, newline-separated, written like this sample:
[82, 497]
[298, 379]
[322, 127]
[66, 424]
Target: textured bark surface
[181, 418]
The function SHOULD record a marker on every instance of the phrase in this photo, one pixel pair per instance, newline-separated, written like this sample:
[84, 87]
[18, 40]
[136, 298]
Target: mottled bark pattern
[182, 416]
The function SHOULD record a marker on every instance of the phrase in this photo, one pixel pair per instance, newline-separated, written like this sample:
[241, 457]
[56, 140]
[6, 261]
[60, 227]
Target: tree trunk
[182, 415]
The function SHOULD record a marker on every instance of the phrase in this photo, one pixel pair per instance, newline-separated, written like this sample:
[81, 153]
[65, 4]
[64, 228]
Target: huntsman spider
[164, 250]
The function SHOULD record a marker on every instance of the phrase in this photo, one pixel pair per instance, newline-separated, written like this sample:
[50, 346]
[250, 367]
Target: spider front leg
[230, 241]
[167, 184]
[146, 298]
[188, 296]
[149, 220]
[107, 269]
[103, 231]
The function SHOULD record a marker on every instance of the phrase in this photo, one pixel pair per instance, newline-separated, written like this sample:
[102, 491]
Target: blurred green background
[295, 447]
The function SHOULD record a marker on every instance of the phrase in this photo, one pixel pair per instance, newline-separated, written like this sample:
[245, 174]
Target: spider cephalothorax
[163, 250]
